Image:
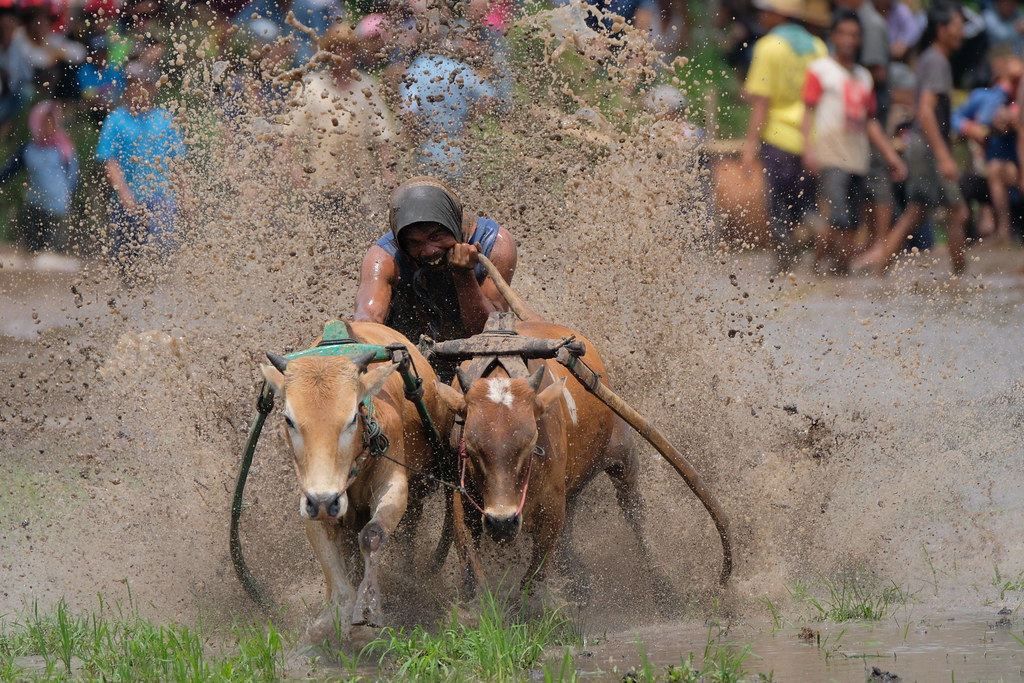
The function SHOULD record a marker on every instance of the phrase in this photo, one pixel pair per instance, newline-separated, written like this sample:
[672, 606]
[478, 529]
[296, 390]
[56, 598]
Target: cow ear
[372, 381]
[551, 393]
[452, 397]
[274, 378]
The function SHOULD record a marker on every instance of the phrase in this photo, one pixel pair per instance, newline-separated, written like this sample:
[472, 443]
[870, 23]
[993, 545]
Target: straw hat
[794, 9]
[818, 12]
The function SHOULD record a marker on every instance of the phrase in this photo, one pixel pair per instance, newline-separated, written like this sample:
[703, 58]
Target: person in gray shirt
[933, 173]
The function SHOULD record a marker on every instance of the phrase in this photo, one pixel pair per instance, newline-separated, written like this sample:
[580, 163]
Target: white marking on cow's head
[499, 390]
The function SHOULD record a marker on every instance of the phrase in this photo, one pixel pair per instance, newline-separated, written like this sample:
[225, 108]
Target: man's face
[427, 243]
[952, 34]
[846, 39]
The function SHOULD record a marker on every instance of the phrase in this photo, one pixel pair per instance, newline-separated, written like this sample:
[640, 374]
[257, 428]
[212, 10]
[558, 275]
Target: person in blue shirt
[99, 82]
[987, 117]
[49, 162]
[138, 145]
[439, 96]
[262, 18]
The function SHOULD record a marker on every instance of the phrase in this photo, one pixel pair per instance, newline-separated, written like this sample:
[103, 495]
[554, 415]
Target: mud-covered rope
[264, 404]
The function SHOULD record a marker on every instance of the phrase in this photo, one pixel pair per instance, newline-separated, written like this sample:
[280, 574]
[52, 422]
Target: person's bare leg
[822, 244]
[878, 257]
[879, 220]
[999, 192]
[845, 243]
[956, 237]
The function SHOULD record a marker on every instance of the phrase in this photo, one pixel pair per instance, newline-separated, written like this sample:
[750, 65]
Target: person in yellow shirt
[774, 85]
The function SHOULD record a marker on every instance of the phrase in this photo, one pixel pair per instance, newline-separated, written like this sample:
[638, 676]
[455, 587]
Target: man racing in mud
[424, 277]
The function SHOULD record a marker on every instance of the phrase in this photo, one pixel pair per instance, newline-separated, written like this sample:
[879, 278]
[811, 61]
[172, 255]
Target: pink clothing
[59, 139]
[499, 15]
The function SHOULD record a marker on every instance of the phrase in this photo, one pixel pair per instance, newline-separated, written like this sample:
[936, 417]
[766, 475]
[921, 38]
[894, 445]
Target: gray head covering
[426, 200]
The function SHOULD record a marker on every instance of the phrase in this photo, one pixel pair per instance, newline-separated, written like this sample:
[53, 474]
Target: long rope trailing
[264, 404]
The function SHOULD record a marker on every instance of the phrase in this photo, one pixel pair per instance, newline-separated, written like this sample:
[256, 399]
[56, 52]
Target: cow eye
[288, 421]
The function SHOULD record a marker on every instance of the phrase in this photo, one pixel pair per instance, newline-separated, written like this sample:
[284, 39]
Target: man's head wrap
[426, 200]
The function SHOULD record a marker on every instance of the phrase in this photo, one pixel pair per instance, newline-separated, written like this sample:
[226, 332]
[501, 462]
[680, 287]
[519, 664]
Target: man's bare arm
[376, 279]
[115, 175]
[477, 301]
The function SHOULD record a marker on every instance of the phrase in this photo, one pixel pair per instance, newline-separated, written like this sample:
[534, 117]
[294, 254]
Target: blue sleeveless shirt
[425, 301]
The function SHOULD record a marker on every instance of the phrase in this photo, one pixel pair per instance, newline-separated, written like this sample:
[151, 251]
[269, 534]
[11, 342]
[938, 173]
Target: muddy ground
[863, 423]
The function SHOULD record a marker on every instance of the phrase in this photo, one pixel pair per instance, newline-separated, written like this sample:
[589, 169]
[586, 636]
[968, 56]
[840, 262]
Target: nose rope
[463, 456]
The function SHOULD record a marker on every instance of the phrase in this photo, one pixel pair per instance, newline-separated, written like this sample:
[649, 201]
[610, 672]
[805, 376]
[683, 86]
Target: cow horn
[464, 380]
[536, 377]
[363, 360]
[279, 362]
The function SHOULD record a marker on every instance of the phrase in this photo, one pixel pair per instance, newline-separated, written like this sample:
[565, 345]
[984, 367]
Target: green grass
[851, 596]
[112, 644]
[1005, 584]
[502, 647]
[722, 662]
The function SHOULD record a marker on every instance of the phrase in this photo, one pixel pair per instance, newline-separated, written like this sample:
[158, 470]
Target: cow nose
[502, 528]
[329, 503]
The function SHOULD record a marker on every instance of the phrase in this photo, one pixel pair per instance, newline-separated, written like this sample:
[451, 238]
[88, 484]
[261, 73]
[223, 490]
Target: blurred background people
[51, 171]
[774, 85]
[138, 144]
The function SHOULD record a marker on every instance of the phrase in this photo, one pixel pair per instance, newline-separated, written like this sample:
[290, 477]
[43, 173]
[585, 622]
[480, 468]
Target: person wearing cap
[137, 145]
[775, 84]
[424, 277]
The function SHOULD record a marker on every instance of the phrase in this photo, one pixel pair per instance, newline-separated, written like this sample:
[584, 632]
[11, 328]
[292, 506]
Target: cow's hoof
[467, 614]
[542, 600]
[667, 602]
[362, 635]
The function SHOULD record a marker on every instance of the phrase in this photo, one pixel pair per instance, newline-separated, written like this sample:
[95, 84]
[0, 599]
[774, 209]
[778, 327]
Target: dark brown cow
[321, 398]
[531, 445]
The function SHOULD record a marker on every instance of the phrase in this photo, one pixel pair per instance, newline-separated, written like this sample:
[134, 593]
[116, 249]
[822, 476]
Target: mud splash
[842, 424]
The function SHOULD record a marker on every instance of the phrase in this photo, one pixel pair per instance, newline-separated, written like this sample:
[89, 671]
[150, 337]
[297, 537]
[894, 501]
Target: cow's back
[588, 434]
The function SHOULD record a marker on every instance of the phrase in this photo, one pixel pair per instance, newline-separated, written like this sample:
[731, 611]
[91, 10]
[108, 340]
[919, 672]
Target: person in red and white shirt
[839, 127]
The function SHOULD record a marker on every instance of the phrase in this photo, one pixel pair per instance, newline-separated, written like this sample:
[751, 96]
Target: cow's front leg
[330, 541]
[546, 527]
[388, 510]
[471, 569]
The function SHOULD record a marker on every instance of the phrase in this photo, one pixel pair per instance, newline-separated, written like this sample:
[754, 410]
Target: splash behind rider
[424, 277]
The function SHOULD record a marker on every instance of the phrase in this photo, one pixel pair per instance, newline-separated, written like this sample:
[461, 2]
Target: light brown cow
[530, 447]
[321, 397]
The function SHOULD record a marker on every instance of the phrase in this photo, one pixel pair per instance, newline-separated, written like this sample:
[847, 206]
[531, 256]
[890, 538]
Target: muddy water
[844, 424]
[965, 647]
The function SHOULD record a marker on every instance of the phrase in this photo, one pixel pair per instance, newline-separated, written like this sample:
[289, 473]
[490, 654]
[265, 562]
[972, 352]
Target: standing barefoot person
[138, 145]
[933, 173]
[841, 111]
[775, 86]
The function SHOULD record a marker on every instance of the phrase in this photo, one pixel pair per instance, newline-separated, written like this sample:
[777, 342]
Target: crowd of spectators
[905, 110]
[865, 115]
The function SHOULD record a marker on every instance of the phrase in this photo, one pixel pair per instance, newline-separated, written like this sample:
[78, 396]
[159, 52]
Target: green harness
[335, 342]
